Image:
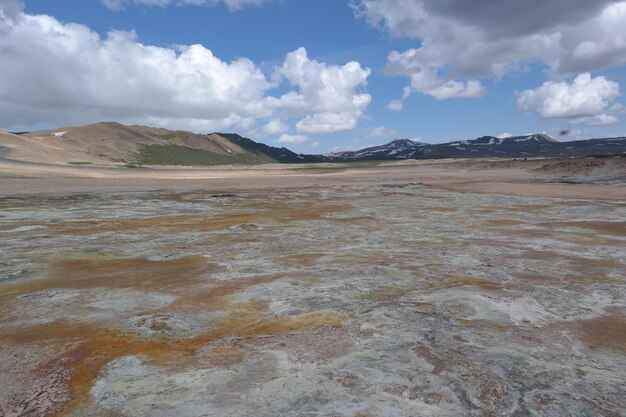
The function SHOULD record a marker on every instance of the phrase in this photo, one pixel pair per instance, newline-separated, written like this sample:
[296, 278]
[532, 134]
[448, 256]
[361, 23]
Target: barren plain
[486, 288]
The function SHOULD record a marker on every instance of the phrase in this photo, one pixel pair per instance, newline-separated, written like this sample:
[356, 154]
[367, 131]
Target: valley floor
[474, 288]
[578, 178]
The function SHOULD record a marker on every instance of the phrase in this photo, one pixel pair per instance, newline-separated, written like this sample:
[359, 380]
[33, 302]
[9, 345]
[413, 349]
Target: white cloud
[10, 10]
[443, 90]
[583, 101]
[395, 105]
[328, 122]
[597, 43]
[462, 42]
[274, 127]
[231, 4]
[64, 73]
[335, 93]
[294, 139]
[504, 135]
[424, 78]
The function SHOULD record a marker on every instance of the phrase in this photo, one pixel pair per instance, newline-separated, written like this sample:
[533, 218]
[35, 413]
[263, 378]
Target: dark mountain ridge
[282, 155]
[536, 145]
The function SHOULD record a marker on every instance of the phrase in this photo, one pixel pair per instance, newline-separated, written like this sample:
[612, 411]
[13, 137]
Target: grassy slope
[182, 155]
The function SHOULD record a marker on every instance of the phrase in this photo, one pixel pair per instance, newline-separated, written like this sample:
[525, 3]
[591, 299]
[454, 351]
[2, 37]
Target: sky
[318, 76]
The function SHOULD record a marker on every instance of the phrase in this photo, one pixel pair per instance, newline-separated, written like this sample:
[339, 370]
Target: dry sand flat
[583, 178]
[330, 292]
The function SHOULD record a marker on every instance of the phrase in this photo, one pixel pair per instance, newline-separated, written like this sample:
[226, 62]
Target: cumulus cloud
[231, 4]
[64, 73]
[274, 127]
[464, 41]
[425, 79]
[293, 139]
[335, 93]
[328, 122]
[584, 100]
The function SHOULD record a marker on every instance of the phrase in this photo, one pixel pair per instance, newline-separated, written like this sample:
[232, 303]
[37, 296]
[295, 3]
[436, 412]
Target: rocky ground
[355, 300]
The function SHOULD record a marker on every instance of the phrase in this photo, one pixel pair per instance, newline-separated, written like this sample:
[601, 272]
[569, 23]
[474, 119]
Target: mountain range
[112, 143]
[537, 145]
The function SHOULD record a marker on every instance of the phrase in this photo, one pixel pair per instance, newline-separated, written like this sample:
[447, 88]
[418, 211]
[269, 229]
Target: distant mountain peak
[398, 148]
[534, 139]
[537, 137]
[545, 137]
[403, 142]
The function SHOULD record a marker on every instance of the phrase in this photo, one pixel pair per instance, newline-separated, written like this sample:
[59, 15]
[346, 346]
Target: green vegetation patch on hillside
[183, 155]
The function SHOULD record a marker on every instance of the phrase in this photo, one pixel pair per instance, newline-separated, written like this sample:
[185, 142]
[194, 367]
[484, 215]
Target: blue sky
[462, 68]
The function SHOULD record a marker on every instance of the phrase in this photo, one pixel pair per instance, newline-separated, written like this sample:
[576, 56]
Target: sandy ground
[582, 178]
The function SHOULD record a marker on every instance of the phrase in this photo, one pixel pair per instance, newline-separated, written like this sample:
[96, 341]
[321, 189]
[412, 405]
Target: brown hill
[112, 143]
